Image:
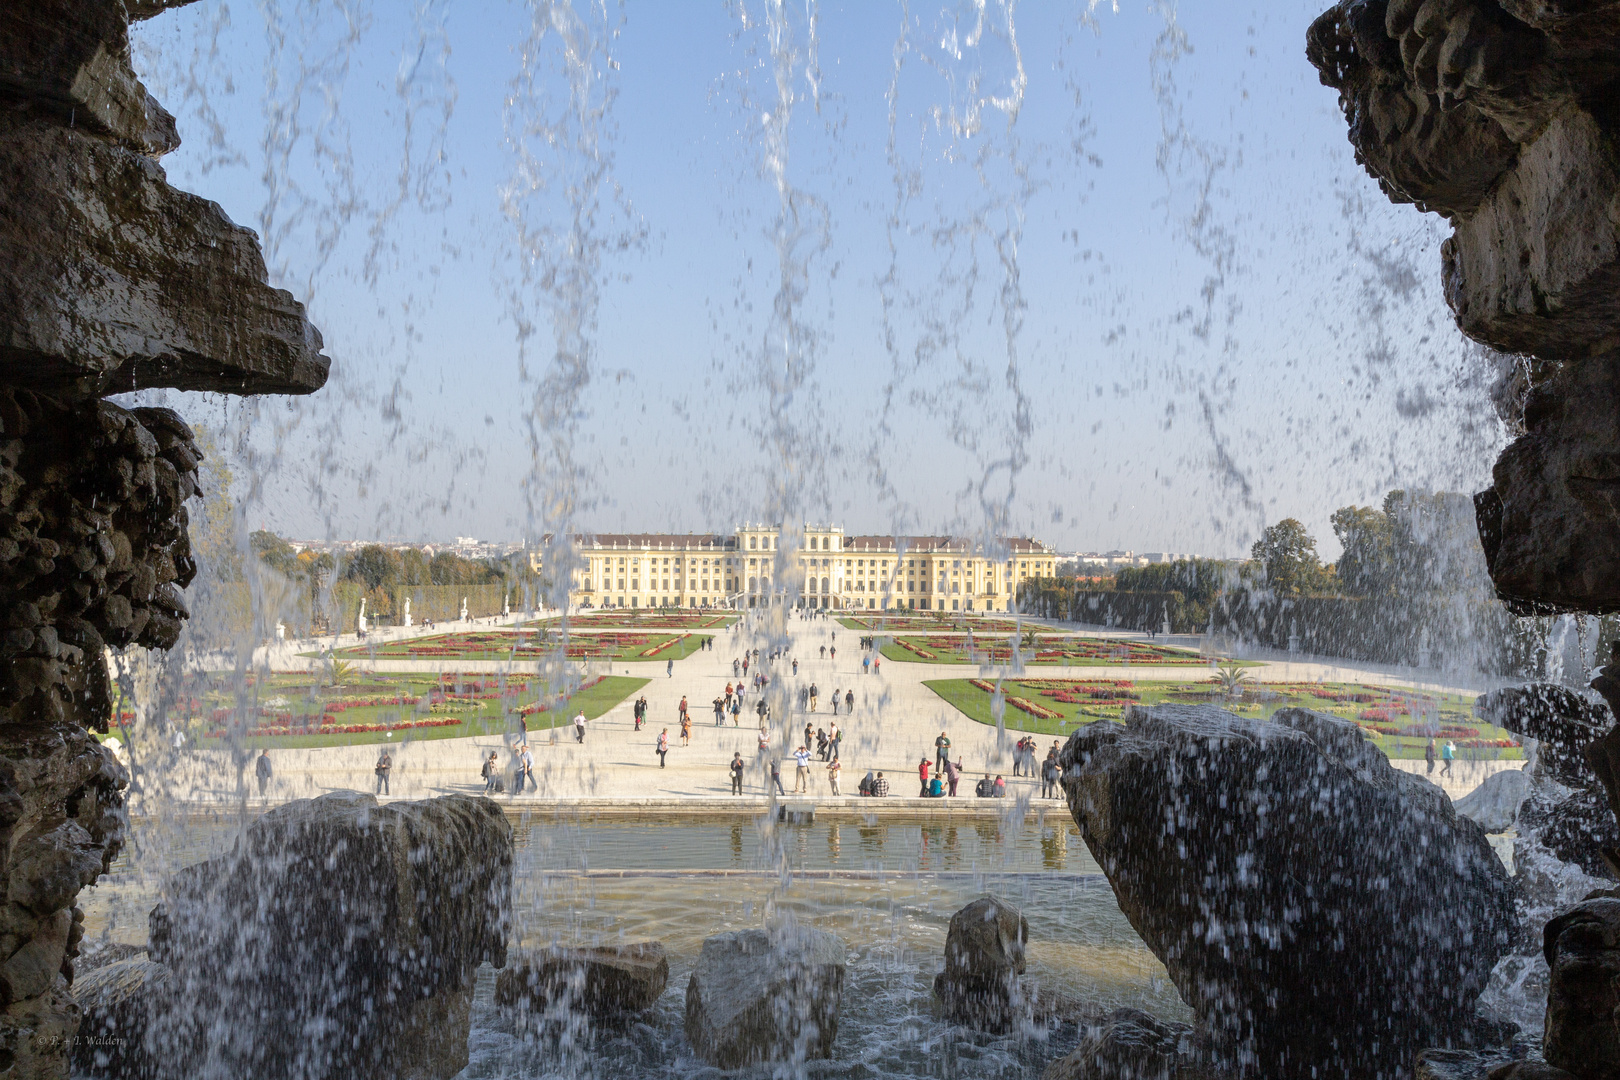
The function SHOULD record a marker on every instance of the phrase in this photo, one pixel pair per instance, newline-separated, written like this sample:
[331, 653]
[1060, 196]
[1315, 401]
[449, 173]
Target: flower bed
[342, 729]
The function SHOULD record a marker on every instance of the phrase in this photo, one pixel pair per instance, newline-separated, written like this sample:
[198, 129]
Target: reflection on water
[886, 886]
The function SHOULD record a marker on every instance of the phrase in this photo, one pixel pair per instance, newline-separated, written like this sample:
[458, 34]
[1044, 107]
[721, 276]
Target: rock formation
[1501, 115]
[758, 996]
[1131, 1045]
[1294, 884]
[1583, 996]
[110, 280]
[984, 956]
[604, 981]
[339, 938]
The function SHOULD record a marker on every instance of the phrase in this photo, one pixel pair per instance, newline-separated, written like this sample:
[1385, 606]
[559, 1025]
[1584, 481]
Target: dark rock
[1576, 828]
[604, 981]
[1549, 522]
[1561, 721]
[1582, 947]
[984, 956]
[110, 280]
[1457, 1064]
[70, 59]
[758, 996]
[1527, 1070]
[118, 1001]
[1131, 1045]
[1202, 821]
[337, 938]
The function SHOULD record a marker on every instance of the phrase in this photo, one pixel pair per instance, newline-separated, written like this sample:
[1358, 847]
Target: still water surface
[886, 886]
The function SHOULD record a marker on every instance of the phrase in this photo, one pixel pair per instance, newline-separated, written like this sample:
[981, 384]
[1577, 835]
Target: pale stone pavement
[894, 724]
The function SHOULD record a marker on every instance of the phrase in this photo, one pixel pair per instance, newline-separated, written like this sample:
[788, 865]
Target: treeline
[1409, 588]
[330, 587]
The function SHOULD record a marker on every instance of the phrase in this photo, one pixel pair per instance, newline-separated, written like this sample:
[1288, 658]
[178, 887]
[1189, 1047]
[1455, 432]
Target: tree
[1287, 554]
[1367, 566]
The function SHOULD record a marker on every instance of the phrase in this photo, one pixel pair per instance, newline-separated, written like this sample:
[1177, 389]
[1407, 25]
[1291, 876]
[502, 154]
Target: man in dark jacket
[736, 773]
[261, 769]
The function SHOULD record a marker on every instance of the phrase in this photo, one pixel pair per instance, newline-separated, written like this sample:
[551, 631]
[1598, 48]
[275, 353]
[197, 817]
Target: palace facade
[817, 566]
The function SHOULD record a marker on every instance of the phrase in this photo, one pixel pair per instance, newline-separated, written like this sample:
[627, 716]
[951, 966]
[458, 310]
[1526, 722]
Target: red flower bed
[342, 729]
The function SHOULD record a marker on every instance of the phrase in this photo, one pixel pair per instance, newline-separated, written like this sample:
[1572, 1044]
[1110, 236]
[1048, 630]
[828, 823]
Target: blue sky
[1221, 321]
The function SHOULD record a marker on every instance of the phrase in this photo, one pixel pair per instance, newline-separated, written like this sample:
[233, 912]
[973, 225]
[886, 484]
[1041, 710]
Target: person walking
[719, 712]
[813, 692]
[669, 668]
[795, 667]
[942, 750]
[736, 709]
[866, 665]
[832, 654]
[824, 652]
[776, 778]
[835, 700]
[527, 760]
[261, 769]
[491, 773]
[736, 773]
[877, 665]
[849, 703]
[953, 772]
[579, 726]
[686, 730]
[832, 775]
[640, 712]
[1448, 753]
[735, 665]
[1428, 756]
[663, 746]
[1049, 775]
[681, 709]
[922, 774]
[801, 781]
[385, 765]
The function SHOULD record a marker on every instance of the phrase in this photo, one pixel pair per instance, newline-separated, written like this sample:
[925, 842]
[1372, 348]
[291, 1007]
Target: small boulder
[117, 1001]
[1561, 722]
[1494, 805]
[1131, 1045]
[1582, 947]
[984, 956]
[605, 981]
[758, 996]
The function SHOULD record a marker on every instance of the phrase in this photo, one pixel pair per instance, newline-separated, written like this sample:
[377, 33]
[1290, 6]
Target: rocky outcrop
[1561, 722]
[765, 996]
[1131, 1045]
[61, 825]
[117, 1002]
[1500, 115]
[1582, 948]
[1481, 1065]
[1494, 805]
[1202, 821]
[339, 938]
[604, 981]
[984, 957]
[110, 280]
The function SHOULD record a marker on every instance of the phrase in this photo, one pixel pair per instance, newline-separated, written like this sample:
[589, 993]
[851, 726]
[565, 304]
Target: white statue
[407, 611]
[463, 609]
[362, 616]
[506, 605]
[281, 631]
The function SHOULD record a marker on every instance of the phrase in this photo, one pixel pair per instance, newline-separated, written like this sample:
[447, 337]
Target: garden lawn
[1398, 721]
[291, 711]
[535, 645]
[1048, 651]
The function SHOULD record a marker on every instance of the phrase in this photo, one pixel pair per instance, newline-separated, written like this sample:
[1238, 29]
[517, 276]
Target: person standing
[866, 665]
[640, 712]
[801, 781]
[813, 692]
[663, 746]
[261, 769]
[491, 773]
[669, 668]
[1428, 756]
[942, 751]
[735, 665]
[835, 700]
[736, 709]
[877, 665]
[385, 765]
[795, 666]
[579, 726]
[1049, 775]
[527, 759]
[681, 709]
[736, 773]
[953, 771]
[849, 703]
[686, 730]
[922, 774]
[832, 775]
[719, 712]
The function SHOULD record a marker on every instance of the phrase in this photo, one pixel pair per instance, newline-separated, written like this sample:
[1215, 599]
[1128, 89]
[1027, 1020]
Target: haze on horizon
[1156, 305]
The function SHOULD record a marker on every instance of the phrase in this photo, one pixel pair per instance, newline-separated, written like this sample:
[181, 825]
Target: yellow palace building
[817, 566]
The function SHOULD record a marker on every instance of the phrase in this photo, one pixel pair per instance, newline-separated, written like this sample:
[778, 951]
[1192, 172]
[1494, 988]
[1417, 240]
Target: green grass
[479, 717]
[1258, 700]
[623, 647]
